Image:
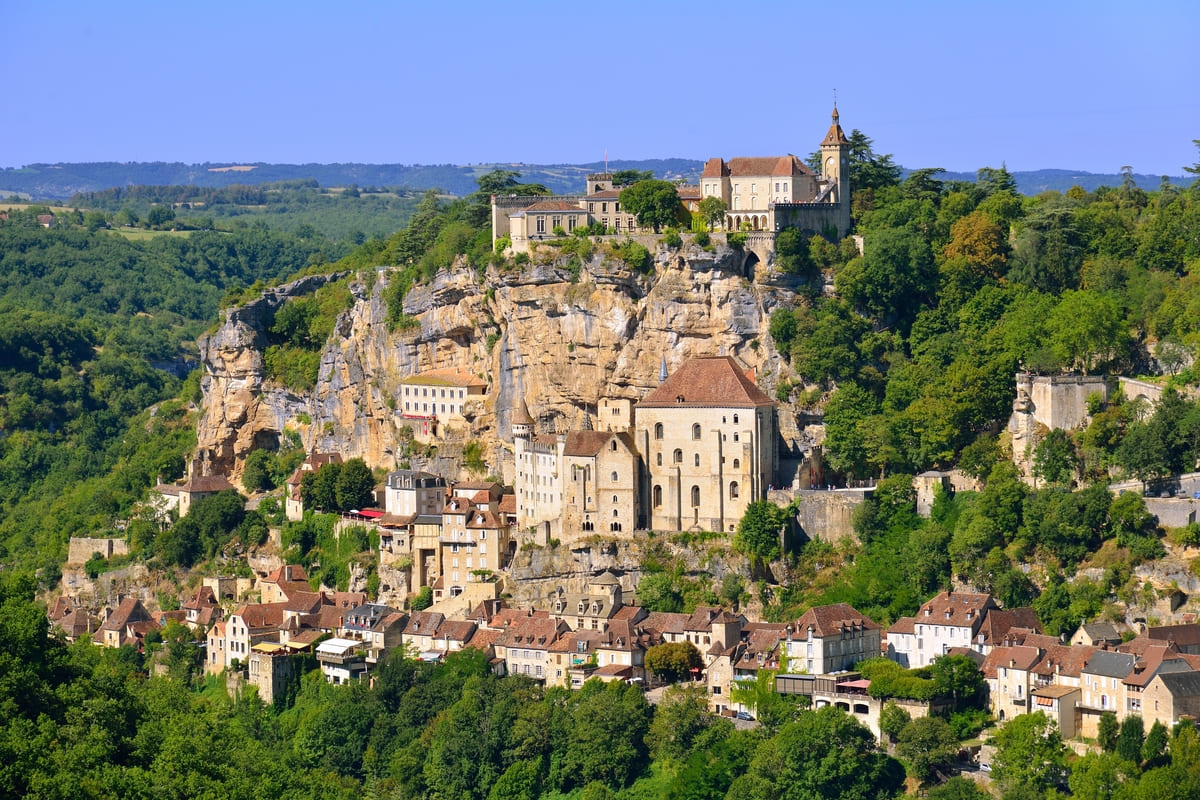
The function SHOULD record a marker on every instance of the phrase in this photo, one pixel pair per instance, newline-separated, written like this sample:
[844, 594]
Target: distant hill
[61, 181]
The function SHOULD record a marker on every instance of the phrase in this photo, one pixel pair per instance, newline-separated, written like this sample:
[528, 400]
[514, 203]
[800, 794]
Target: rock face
[562, 339]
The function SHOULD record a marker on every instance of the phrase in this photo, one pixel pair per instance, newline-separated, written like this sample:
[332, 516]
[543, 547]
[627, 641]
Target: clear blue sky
[1075, 85]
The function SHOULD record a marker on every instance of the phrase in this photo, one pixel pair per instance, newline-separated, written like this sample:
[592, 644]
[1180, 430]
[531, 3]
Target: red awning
[370, 513]
[859, 684]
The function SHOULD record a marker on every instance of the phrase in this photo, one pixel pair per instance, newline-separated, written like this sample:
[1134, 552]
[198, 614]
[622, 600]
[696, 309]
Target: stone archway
[749, 265]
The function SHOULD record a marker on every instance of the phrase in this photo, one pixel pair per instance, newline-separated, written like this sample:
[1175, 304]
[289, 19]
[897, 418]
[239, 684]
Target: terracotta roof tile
[831, 620]
[773, 166]
[554, 205]
[451, 376]
[714, 382]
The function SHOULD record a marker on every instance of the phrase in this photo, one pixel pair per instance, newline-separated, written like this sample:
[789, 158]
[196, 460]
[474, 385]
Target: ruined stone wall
[827, 515]
[80, 550]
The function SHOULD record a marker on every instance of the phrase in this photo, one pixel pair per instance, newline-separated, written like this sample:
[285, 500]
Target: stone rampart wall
[827, 515]
[80, 550]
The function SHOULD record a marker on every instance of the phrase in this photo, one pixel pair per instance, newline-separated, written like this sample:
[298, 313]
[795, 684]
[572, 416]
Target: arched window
[616, 526]
[696, 431]
[733, 490]
[657, 496]
[678, 457]
[696, 459]
[614, 503]
[659, 459]
[735, 419]
[695, 497]
[737, 463]
[613, 445]
[615, 512]
[614, 477]
[658, 430]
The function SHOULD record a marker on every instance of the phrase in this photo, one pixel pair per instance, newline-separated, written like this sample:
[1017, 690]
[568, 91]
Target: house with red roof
[831, 638]
[128, 624]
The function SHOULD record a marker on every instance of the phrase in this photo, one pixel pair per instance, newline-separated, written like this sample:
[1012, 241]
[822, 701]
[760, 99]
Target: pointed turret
[522, 422]
[662, 371]
[836, 135]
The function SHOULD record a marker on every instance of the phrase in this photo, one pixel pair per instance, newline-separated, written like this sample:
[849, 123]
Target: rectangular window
[617, 207]
[541, 224]
[604, 208]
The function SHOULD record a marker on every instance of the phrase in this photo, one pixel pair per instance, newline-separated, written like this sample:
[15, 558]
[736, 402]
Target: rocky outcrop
[560, 338]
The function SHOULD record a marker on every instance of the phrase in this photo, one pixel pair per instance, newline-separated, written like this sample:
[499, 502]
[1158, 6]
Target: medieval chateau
[760, 194]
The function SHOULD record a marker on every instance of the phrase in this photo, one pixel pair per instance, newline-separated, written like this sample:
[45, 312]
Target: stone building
[474, 543]
[775, 192]
[831, 638]
[707, 441]
[761, 193]
[410, 493]
[600, 482]
[538, 479]
[437, 399]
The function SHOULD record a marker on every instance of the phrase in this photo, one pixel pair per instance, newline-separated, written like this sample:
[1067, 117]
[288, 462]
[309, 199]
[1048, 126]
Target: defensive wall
[80, 550]
[827, 514]
[821, 218]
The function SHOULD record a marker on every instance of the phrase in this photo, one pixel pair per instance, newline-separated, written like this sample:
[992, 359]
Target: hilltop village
[691, 452]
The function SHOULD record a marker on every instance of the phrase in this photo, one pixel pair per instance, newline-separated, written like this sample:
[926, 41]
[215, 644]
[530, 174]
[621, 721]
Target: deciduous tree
[655, 203]
[673, 661]
[1030, 753]
[758, 531]
[928, 746]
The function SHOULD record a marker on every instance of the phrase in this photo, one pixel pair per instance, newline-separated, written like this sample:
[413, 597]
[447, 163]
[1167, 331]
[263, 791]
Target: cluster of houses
[597, 634]
[690, 455]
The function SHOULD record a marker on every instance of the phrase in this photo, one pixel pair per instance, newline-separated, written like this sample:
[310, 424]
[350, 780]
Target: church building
[707, 439]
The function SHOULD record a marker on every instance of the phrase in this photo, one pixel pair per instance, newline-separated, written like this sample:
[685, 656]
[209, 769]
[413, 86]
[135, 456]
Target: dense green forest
[97, 327]
[302, 207]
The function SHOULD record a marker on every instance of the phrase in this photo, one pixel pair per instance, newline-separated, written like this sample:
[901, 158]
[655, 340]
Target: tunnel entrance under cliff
[749, 265]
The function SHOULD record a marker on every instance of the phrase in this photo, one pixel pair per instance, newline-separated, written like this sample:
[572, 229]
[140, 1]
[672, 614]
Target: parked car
[745, 715]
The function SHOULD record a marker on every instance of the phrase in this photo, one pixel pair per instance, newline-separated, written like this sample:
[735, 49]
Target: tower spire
[662, 371]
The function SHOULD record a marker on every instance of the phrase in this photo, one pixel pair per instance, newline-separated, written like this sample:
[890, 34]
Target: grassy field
[141, 234]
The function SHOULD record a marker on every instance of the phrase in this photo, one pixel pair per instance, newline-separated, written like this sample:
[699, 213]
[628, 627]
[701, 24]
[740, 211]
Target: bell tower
[835, 170]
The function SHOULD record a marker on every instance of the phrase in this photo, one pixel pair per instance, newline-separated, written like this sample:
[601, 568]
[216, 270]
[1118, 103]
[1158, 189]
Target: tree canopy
[655, 203]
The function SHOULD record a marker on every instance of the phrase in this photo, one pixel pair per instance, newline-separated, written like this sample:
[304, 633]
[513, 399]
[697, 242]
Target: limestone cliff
[560, 338]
